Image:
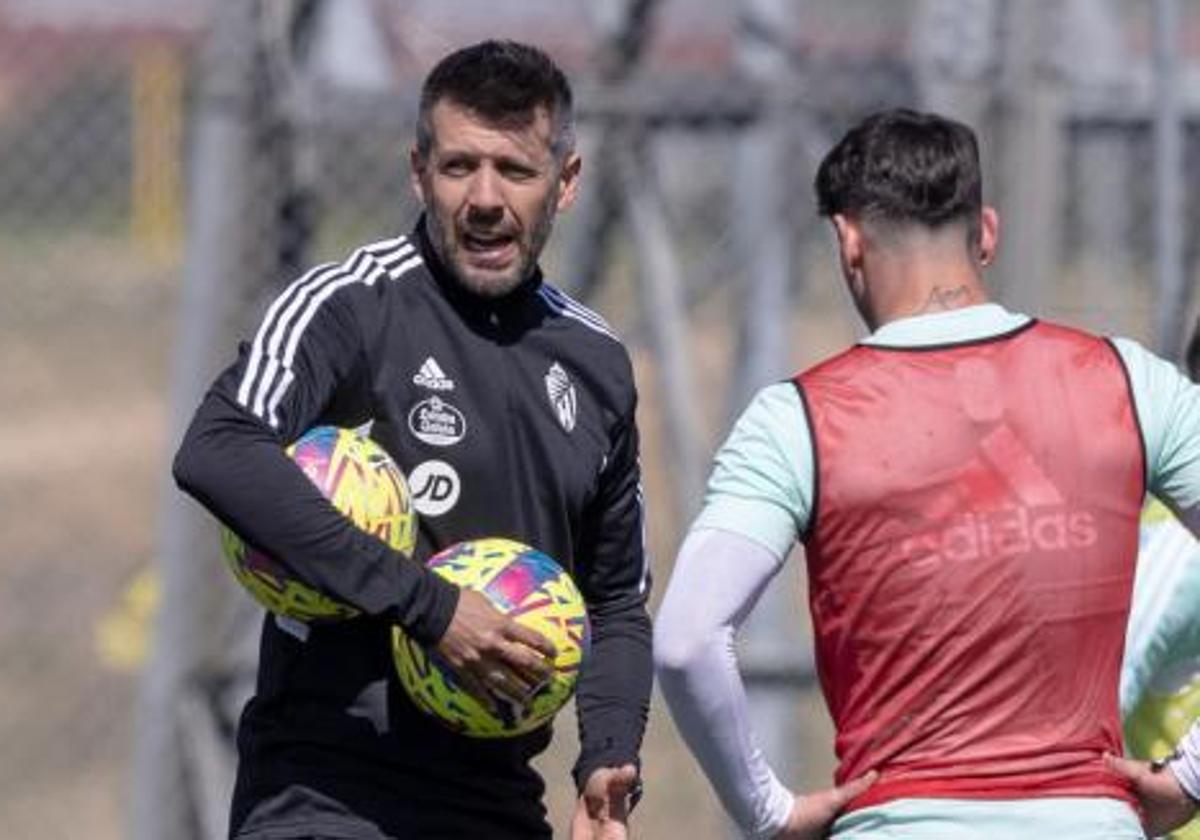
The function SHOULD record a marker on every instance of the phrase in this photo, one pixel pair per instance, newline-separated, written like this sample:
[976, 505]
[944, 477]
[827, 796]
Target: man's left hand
[813, 813]
[602, 812]
[1165, 804]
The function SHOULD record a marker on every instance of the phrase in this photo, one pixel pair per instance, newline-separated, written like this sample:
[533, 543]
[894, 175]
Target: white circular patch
[435, 487]
[437, 422]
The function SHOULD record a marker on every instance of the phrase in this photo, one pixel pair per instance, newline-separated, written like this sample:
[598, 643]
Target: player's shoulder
[1136, 354]
[1156, 381]
[587, 339]
[772, 408]
[571, 314]
[388, 265]
[1045, 329]
[582, 324]
[831, 367]
[369, 270]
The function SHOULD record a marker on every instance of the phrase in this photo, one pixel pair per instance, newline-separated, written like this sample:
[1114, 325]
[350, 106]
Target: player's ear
[416, 169]
[850, 244]
[989, 234]
[568, 181]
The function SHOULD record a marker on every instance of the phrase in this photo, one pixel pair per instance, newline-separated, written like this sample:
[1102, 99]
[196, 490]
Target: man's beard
[491, 285]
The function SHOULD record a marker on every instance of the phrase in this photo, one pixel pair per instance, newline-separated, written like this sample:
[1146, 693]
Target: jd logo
[435, 487]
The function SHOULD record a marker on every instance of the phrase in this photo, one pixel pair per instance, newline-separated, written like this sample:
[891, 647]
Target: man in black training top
[544, 450]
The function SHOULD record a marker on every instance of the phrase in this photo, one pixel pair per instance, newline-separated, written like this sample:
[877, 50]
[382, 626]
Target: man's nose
[485, 196]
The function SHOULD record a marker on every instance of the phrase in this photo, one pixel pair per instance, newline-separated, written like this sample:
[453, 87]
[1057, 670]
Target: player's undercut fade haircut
[900, 168]
[504, 82]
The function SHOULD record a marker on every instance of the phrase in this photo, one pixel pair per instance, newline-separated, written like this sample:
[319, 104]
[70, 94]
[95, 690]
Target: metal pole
[955, 56]
[160, 803]
[660, 283]
[623, 42]
[1028, 123]
[1171, 311]
[624, 186]
[762, 224]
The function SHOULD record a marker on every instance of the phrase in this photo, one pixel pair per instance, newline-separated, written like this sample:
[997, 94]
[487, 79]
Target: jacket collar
[518, 309]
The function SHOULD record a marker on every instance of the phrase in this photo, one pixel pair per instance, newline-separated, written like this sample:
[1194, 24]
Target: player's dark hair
[504, 82]
[900, 168]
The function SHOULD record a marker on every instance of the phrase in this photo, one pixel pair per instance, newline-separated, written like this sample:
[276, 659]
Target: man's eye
[518, 173]
[456, 167]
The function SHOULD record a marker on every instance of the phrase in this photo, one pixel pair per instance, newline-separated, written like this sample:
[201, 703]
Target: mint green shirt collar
[953, 326]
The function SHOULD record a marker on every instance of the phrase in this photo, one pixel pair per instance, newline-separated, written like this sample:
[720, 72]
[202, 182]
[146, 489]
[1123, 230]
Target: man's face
[490, 194]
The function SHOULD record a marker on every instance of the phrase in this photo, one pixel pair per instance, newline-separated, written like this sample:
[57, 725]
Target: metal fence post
[1027, 121]
[161, 806]
[1171, 310]
[660, 285]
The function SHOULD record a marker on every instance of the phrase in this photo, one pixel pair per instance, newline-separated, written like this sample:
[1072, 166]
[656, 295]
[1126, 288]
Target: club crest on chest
[561, 392]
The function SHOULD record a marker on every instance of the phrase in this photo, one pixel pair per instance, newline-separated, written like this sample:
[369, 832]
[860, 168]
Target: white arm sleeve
[717, 579]
[1187, 766]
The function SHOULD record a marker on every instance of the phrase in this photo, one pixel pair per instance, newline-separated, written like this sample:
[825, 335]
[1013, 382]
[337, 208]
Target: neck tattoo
[942, 298]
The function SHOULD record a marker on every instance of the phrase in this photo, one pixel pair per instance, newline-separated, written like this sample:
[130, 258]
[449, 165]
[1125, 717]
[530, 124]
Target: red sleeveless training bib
[971, 559]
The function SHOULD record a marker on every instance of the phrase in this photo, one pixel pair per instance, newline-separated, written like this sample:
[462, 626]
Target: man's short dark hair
[900, 168]
[504, 82]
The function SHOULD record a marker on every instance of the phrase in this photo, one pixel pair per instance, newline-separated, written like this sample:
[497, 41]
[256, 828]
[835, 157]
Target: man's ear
[568, 181]
[416, 168]
[850, 244]
[989, 234]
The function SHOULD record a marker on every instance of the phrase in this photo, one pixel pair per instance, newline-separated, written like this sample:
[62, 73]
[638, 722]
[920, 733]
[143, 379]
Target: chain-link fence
[163, 175]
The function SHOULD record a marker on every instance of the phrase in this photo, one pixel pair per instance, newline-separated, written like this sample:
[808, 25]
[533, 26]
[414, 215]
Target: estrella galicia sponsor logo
[432, 376]
[437, 422]
[562, 395]
[435, 487]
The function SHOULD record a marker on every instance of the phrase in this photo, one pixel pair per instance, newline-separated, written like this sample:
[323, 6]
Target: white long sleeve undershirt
[761, 488]
[1187, 766]
[717, 580]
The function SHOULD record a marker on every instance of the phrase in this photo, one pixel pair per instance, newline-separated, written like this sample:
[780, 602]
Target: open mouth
[489, 249]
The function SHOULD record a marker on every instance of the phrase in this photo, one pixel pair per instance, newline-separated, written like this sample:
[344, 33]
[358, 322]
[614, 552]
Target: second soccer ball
[532, 589]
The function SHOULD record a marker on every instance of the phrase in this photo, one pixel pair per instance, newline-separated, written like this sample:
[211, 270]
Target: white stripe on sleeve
[269, 373]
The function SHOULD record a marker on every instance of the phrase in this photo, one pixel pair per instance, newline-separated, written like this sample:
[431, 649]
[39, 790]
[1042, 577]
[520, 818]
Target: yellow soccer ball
[535, 591]
[364, 483]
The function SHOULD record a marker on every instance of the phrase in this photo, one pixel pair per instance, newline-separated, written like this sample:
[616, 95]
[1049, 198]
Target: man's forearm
[613, 697]
[237, 468]
[716, 581]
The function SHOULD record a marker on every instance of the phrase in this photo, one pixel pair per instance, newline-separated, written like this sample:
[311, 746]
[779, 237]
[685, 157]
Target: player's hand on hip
[1165, 804]
[494, 656]
[602, 811]
[814, 813]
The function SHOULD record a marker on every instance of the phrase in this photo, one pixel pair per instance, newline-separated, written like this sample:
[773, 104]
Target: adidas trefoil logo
[432, 376]
[562, 395]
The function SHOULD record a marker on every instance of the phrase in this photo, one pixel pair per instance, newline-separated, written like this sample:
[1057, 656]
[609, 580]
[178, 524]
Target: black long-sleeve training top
[511, 417]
